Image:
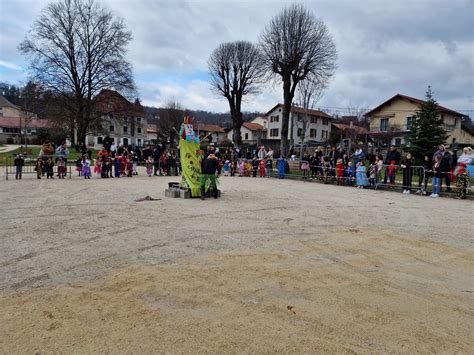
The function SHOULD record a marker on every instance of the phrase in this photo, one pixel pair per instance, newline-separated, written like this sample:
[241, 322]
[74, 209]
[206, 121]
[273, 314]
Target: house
[7, 109]
[121, 121]
[348, 135]
[151, 133]
[317, 131]
[19, 126]
[252, 133]
[390, 122]
[214, 133]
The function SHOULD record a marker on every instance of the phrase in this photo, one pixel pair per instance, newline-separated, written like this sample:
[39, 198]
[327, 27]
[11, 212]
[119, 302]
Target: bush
[10, 140]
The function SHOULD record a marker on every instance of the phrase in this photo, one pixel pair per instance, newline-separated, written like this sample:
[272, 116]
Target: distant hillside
[221, 119]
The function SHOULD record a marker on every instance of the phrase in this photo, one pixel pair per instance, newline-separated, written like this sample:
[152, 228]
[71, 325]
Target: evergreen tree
[427, 132]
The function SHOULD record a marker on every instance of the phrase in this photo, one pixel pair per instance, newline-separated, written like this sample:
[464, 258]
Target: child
[248, 168]
[62, 170]
[103, 167]
[263, 167]
[372, 174]
[349, 174]
[98, 166]
[340, 171]
[379, 164]
[86, 167]
[233, 168]
[392, 173]
[39, 168]
[149, 166]
[117, 165]
[361, 175]
[129, 167]
[462, 180]
[79, 166]
[50, 168]
[241, 168]
[406, 165]
[437, 176]
[226, 168]
[255, 165]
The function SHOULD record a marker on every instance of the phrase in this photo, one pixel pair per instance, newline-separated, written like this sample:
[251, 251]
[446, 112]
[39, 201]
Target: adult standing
[262, 153]
[466, 157]
[445, 165]
[392, 155]
[209, 167]
[113, 149]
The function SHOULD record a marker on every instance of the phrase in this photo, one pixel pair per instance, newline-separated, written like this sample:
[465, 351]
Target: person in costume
[62, 169]
[86, 167]
[361, 175]
[117, 164]
[49, 168]
[209, 167]
[149, 166]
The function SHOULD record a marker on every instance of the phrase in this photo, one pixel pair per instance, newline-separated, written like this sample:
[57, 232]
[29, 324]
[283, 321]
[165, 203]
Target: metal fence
[30, 167]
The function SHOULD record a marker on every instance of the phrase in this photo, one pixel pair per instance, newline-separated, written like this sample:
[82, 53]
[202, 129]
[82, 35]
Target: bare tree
[171, 117]
[296, 45]
[236, 69]
[77, 50]
[308, 93]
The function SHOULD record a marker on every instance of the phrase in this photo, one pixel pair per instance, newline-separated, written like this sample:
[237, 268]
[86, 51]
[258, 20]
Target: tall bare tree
[297, 45]
[171, 117]
[308, 93]
[77, 49]
[236, 70]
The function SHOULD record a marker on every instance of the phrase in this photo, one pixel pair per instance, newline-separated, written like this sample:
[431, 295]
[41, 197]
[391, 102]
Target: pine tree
[427, 132]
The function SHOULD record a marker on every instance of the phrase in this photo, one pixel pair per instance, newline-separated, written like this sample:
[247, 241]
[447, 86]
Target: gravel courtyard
[272, 266]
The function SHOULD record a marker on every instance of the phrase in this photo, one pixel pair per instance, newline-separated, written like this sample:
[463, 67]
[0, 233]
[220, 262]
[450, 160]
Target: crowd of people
[352, 168]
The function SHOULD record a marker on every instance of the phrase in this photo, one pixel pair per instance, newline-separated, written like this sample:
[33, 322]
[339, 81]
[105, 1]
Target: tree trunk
[287, 99]
[237, 122]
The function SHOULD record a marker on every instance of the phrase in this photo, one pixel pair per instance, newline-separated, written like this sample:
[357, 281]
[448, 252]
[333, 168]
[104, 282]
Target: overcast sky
[384, 48]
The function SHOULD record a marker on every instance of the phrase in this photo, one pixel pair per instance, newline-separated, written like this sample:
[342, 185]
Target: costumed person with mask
[209, 167]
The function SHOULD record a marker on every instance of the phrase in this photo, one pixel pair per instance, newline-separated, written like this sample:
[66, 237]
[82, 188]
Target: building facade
[122, 121]
[390, 122]
[252, 133]
[318, 127]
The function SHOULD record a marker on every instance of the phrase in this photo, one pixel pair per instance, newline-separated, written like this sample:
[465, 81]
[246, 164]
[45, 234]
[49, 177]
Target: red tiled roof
[209, 127]
[253, 126]
[415, 100]
[14, 122]
[358, 129]
[302, 110]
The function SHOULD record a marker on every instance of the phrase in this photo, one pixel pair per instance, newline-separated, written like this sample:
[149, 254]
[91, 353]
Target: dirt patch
[351, 291]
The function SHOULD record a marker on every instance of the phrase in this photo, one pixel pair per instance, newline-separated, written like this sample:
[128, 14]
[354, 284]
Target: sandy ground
[272, 266]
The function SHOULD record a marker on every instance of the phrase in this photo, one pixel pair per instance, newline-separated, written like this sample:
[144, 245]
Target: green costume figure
[462, 180]
[210, 166]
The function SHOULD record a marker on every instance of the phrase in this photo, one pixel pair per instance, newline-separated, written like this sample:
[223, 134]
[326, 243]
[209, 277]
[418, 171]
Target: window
[384, 124]
[398, 142]
[109, 105]
[324, 134]
[125, 129]
[455, 122]
[442, 118]
[274, 119]
[274, 132]
[410, 121]
[325, 121]
[314, 119]
[300, 132]
[454, 140]
[139, 142]
[139, 130]
[313, 133]
[299, 118]
[139, 120]
[11, 130]
[99, 140]
[111, 128]
[246, 136]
